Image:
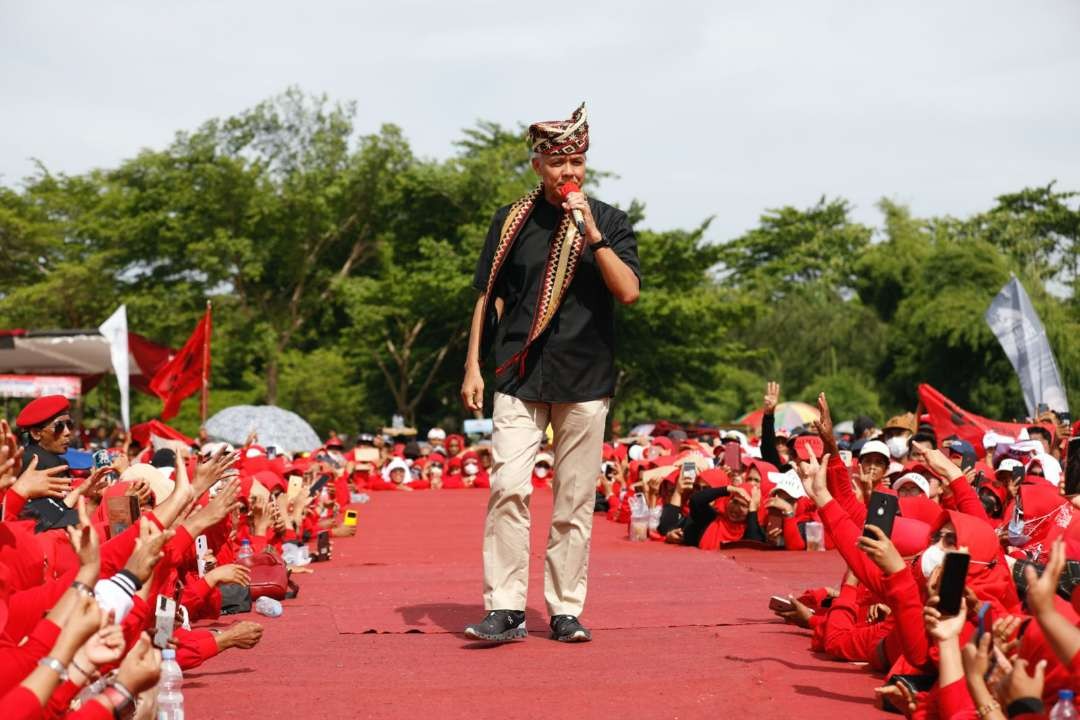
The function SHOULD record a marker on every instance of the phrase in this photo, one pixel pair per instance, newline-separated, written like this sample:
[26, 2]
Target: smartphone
[882, 512]
[953, 578]
[780, 604]
[350, 517]
[122, 512]
[845, 456]
[319, 484]
[295, 484]
[102, 458]
[164, 618]
[322, 545]
[271, 452]
[1072, 467]
[985, 622]
[733, 456]
[808, 445]
[689, 469]
[201, 548]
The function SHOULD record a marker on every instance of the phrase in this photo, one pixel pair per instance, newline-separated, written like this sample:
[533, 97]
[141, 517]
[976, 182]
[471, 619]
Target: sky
[703, 109]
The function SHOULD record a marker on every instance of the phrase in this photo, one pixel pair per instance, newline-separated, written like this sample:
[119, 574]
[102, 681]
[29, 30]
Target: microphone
[565, 189]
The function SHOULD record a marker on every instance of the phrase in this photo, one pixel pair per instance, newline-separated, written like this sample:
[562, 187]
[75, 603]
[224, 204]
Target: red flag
[185, 373]
[950, 419]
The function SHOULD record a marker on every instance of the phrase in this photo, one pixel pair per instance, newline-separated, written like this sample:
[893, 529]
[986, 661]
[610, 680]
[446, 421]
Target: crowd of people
[105, 570]
[1010, 648]
[81, 589]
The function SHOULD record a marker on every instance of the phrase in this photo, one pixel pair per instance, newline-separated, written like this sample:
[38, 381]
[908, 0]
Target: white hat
[436, 434]
[912, 478]
[395, 464]
[789, 482]
[992, 439]
[1008, 465]
[635, 452]
[1050, 466]
[875, 446]
[544, 458]
[894, 468]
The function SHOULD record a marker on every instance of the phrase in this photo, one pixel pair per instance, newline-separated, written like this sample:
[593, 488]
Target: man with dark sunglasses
[48, 428]
[48, 425]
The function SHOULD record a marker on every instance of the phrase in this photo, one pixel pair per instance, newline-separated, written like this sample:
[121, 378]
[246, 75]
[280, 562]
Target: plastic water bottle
[1064, 709]
[170, 699]
[268, 606]
[243, 555]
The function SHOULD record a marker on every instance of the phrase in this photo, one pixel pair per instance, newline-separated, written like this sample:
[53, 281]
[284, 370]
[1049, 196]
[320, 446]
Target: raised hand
[141, 666]
[772, 397]
[217, 467]
[937, 461]
[147, 551]
[34, 483]
[84, 540]
[1042, 589]
[824, 425]
[814, 479]
[104, 647]
[881, 551]
[91, 487]
[942, 628]
[141, 490]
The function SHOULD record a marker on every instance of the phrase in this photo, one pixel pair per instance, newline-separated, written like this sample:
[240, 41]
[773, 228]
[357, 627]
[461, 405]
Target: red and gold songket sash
[562, 262]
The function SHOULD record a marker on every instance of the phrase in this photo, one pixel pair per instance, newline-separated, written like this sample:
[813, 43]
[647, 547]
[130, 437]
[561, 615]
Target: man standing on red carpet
[553, 264]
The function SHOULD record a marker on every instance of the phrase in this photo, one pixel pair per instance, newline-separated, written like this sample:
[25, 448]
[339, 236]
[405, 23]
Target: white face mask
[898, 446]
[436, 471]
[932, 558]
[470, 469]
[541, 472]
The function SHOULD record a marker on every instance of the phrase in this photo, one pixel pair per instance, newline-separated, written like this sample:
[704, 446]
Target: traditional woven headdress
[561, 137]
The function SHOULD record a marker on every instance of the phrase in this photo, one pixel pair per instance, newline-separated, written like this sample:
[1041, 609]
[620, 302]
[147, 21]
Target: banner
[185, 374]
[32, 386]
[115, 331]
[950, 419]
[1013, 319]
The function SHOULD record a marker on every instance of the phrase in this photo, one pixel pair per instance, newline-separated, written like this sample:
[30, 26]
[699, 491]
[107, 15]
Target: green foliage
[340, 268]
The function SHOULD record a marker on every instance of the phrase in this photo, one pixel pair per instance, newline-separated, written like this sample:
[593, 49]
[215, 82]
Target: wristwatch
[56, 666]
[601, 243]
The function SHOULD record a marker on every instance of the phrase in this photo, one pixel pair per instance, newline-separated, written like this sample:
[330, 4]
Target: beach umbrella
[275, 426]
[788, 416]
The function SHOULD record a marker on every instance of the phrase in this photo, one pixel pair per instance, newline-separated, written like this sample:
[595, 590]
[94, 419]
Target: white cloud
[702, 109]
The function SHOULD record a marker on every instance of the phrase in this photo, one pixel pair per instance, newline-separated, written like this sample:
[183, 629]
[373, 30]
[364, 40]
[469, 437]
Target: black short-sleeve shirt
[574, 360]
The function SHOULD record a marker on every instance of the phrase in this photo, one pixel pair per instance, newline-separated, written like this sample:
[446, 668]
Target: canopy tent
[80, 353]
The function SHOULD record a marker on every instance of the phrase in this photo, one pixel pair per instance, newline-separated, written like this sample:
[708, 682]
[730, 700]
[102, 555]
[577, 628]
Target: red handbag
[268, 576]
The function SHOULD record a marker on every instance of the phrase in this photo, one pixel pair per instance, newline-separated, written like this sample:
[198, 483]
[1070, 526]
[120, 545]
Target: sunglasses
[948, 537]
[59, 425]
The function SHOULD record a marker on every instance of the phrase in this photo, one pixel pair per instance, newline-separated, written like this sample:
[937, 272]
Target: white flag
[1013, 319]
[116, 333]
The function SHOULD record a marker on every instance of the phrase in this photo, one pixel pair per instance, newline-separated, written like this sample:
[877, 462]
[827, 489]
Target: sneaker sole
[578, 637]
[518, 633]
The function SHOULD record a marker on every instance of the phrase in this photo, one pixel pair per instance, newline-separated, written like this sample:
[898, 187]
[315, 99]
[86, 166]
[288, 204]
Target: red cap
[40, 410]
[715, 478]
[270, 480]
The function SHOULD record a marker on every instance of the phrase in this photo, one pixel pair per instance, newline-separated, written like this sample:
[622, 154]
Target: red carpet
[678, 632]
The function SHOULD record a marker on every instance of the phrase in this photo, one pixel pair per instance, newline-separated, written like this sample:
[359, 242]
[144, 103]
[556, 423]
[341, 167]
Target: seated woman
[717, 512]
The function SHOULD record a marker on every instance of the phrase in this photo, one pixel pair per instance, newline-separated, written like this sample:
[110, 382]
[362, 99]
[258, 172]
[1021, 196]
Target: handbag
[269, 577]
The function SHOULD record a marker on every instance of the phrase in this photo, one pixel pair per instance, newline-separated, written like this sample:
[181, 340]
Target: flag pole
[205, 397]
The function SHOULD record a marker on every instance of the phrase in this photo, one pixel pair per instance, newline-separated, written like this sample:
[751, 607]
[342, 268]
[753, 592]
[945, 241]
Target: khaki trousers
[578, 437]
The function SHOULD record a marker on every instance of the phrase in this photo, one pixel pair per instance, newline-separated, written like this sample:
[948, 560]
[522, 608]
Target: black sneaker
[566, 628]
[499, 626]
